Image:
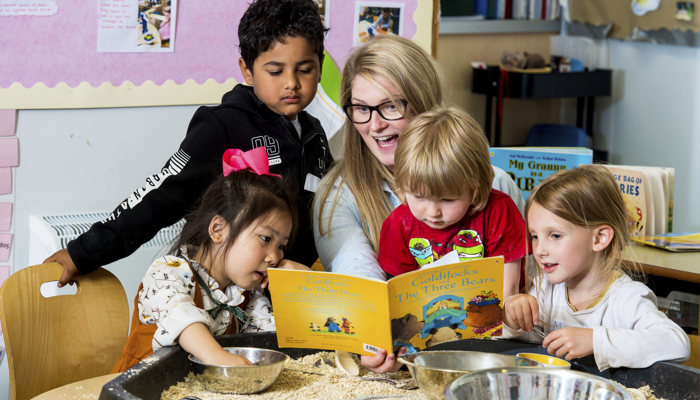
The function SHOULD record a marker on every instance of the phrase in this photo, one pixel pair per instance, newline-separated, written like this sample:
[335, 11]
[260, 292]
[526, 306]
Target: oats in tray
[312, 377]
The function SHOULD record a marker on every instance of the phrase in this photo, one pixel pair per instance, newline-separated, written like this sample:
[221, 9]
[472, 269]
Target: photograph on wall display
[154, 23]
[374, 18]
[324, 8]
[143, 26]
[685, 11]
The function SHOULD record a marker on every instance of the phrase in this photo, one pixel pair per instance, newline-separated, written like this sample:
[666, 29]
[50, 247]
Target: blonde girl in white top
[581, 299]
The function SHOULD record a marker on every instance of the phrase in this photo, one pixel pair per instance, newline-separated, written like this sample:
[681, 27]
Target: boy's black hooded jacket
[241, 121]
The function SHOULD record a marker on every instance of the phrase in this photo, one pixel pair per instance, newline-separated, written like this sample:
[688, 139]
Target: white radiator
[49, 233]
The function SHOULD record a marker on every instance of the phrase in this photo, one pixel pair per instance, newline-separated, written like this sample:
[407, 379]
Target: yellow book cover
[672, 241]
[325, 310]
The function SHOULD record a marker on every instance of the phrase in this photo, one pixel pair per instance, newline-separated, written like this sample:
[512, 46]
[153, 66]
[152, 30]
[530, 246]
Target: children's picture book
[418, 309]
[528, 166]
[672, 241]
[635, 187]
[648, 192]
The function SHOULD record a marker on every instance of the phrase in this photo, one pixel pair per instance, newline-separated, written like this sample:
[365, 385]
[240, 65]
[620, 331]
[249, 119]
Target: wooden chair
[53, 341]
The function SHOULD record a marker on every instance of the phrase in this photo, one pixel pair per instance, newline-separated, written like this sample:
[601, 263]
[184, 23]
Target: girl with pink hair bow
[213, 280]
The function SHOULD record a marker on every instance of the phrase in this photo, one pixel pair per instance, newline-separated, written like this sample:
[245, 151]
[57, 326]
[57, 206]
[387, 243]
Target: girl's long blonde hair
[588, 196]
[417, 76]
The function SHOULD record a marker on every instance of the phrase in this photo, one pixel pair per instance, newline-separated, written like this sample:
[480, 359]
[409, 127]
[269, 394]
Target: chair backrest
[557, 135]
[53, 341]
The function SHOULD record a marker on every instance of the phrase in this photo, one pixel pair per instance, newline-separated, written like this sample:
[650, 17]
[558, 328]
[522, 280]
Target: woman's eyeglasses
[389, 110]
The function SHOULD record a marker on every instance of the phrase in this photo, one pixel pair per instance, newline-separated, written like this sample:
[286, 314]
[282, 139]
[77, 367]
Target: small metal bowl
[434, 370]
[534, 383]
[248, 379]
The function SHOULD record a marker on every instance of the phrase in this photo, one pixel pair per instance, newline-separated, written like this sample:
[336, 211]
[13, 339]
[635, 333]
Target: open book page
[325, 310]
[451, 302]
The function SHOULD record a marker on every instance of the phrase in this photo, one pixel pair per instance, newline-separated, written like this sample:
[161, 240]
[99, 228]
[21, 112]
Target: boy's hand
[521, 312]
[69, 269]
[569, 343]
[286, 264]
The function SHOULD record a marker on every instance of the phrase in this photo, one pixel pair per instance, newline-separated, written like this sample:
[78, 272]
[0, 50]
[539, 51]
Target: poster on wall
[128, 26]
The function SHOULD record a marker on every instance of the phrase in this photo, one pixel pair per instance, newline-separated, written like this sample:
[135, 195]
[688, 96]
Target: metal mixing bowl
[533, 383]
[268, 365]
[434, 370]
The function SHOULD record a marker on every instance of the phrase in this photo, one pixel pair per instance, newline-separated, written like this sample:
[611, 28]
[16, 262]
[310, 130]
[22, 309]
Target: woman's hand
[382, 362]
[286, 264]
[69, 269]
[569, 343]
[521, 312]
[289, 264]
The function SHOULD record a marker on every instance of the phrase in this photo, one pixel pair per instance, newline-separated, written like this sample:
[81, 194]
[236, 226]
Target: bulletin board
[51, 61]
[658, 21]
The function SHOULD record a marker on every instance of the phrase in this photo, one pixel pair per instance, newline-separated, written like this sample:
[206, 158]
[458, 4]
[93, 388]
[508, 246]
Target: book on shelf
[648, 194]
[528, 166]
[428, 306]
[672, 241]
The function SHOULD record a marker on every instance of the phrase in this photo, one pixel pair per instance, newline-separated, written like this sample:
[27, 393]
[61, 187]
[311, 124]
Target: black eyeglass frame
[403, 102]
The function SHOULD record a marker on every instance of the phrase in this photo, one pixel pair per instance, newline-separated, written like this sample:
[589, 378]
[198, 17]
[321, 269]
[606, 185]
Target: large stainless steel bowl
[268, 365]
[434, 370]
[533, 383]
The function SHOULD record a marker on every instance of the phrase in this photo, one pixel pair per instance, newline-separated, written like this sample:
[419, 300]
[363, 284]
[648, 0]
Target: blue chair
[557, 135]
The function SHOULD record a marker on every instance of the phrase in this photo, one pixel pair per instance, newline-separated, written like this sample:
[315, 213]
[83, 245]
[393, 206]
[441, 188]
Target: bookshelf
[584, 86]
[470, 25]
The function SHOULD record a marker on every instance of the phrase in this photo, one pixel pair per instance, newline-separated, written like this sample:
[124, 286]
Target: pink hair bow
[254, 160]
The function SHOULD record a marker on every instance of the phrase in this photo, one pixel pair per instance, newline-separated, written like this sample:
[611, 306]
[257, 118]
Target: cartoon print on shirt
[422, 250]
[468, 245]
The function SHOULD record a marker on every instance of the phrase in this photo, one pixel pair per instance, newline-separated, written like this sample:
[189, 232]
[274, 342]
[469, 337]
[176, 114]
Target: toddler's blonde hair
[443, 152]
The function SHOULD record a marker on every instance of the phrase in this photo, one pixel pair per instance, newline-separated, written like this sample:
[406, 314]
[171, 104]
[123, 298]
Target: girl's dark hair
[240, 198]
[267, 22]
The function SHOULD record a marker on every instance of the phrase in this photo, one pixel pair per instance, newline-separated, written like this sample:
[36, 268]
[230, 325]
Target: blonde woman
[385, 82]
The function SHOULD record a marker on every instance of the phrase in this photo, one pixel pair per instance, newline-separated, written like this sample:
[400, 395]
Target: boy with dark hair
[281, 44]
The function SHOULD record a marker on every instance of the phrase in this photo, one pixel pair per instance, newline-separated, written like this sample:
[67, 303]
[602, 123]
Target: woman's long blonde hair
[417, 76]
